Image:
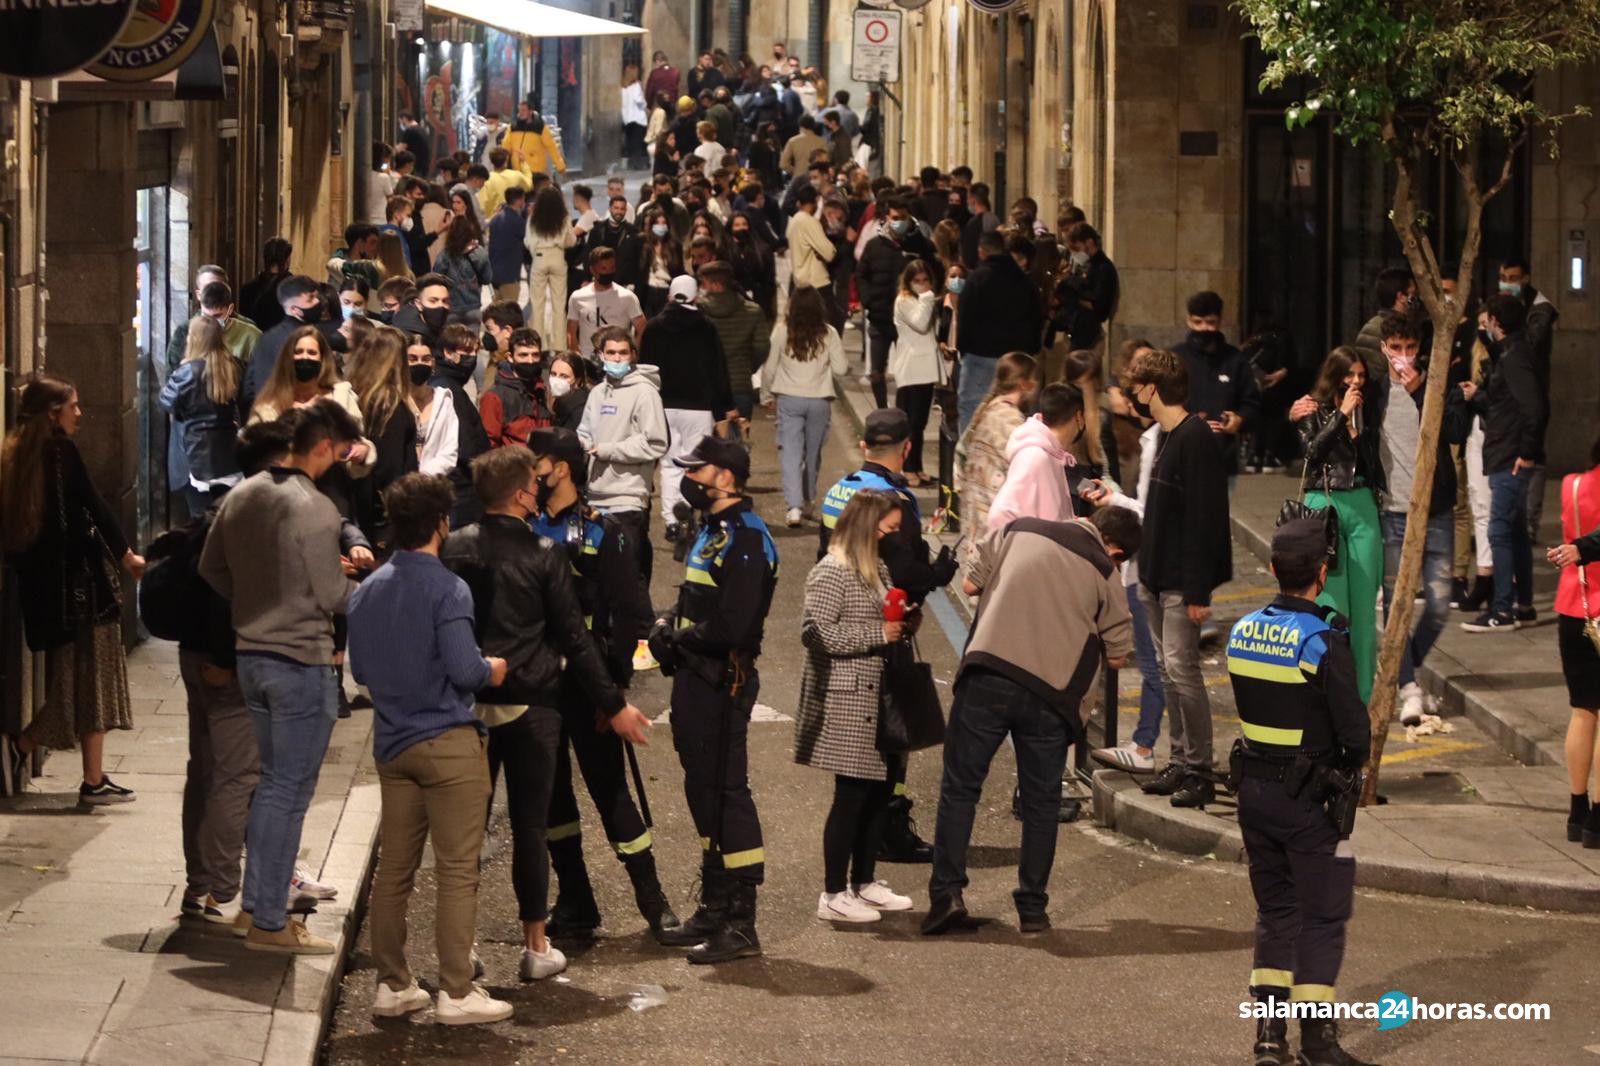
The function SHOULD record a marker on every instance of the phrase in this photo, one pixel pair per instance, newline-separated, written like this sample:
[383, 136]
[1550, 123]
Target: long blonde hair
[855, 538]
[378, 374]
[205, 344]
[392, 256]
[1082, 368]
[41, 399]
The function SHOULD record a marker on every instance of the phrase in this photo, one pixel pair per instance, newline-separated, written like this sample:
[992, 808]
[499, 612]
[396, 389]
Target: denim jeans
[1152, 692]
[293, 707]
[1438, 567]
[1508, 540]
[987, 707]
[977, 374]
[1177, 641]
[802, 427]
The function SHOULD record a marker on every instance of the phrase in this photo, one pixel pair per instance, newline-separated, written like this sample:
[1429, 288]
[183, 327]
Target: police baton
[638, 784]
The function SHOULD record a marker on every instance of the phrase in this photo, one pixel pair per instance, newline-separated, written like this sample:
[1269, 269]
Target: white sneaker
[536, 966]
[477, 1007]
[880, 896]
[303, 884]
[1125, 757]
[845, 907]
[1411, 704]
[791, 518]
[391, 1004]
[222, 913]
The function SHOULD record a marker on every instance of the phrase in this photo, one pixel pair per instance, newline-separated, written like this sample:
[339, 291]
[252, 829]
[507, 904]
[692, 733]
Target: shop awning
[528, 18]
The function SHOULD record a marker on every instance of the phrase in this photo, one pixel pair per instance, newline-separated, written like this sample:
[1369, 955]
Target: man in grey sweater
[273, 553]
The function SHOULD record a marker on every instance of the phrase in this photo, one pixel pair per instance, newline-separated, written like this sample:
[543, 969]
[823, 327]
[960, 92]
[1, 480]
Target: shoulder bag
[910, 716]
[1297, 508]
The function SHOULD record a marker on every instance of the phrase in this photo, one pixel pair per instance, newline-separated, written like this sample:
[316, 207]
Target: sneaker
[293, 939]
[1126, 758]
[537, 965]
[1458, 593]
[791, 518]
[881, 896]
[1033, 923]
[302, 883]
[193, 906]
[642, 659]
[845, 907]
[1411, 704]
[388, 1003]
[1168, 781]
[1525, 616]
[243, 922]
[105, 793]
[220, 913]
[1490, 622]
[477, 1007]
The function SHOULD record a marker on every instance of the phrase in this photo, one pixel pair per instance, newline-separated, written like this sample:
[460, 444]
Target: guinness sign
[48, 38]
[158, 38]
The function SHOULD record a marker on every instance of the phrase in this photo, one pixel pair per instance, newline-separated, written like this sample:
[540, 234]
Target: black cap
[1300, 537]
[886, 425]
[562, 445]
[713, 451]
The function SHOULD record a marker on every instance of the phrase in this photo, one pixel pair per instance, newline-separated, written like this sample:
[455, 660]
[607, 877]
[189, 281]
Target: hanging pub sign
[159, 37]
[39, 39]
[993, 6]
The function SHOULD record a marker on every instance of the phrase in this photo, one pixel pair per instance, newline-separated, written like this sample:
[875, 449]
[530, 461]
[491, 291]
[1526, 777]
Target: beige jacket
[810, 251]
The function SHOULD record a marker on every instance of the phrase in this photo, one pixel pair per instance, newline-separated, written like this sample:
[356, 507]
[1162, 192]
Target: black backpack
[172, 594]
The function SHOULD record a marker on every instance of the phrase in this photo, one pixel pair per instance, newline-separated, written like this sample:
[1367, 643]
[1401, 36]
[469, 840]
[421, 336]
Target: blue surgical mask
[659, 229]
[901, 226]
[955, 285]
[1511, 288]
[616, 371]
[351, 311]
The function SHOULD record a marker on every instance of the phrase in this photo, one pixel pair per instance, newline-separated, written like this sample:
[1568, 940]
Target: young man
[428, 311]
[810, 250]
[412, 644]
[415, 138]
[616, 607]
[453, 370]
[1394, 290]
[1222, 386]
[601, 303]
[528, 610]
[1088, 291]
[273, 553]
[744, 331]
[999, 313]
[878, 271]
[1036, 479]
[624, 430]
[1186, 553]
[506, 230]
[503, 177]
[358, 258]
[258, 296]
[1517, 280]
[617, 188]
[514, 406]
[392, 295]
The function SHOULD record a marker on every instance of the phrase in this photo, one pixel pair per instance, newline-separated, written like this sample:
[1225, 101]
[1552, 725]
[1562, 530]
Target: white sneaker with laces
[1411, 704]
[537, 965]
[1125, 757]
[791, 517]
[477, 1007]
[222, 913]
[391, 1004]
[303, 884]
[880, 896]
[845, 907]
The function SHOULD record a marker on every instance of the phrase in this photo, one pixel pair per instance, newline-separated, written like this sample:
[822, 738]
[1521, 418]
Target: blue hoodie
[505, 245]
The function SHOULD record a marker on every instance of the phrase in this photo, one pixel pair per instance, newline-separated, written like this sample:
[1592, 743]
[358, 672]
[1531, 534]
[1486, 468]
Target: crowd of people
[442, 457]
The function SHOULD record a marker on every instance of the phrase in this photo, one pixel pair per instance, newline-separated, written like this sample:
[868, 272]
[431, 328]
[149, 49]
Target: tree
[1451, 79]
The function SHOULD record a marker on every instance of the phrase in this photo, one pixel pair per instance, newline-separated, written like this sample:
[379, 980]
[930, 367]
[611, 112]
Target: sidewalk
[97, 966]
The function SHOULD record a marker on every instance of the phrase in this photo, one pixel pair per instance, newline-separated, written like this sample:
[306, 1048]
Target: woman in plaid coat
[836, 729]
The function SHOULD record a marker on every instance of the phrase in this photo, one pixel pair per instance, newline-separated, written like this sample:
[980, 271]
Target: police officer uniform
[710, 650]
[616, 608]
[1294, 682]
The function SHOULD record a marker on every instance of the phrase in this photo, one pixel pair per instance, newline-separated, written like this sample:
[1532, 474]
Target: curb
[1120, 805]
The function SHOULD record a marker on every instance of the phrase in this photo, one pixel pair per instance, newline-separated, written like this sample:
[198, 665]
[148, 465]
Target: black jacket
[694, 371]
[471, 440]
[1098, 287]
[999, 310]
[1187, 544]
[1221, 379]
[1334, 461]
[609, 234]
[1514, 406]
[527, 612]
[878, 272]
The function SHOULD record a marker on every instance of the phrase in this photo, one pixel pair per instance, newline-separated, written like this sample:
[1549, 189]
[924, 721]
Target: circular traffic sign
[159, 37]
[47, 40]
[876, 31]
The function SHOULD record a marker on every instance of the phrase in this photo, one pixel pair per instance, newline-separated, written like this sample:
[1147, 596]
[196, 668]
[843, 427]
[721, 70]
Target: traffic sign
[875, 54]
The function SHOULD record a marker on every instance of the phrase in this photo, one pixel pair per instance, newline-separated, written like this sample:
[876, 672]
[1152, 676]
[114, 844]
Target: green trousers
[1353, 586]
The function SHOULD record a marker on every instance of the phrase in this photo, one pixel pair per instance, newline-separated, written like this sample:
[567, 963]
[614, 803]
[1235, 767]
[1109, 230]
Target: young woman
[392, 256]
[660, 116]
[1096, 451]
[1342, 471]
[568, 389]
[804, 356]
[464, 203]
[836, 727]
[305, 372]
[660, 260]
[981, 453]
[64, 546]
[354, 295]
[202, 396]
[634, 118]
[947, 242]
[465, 261]
[438, 431]
[550, 234]
[914, 360]
[1577, 602]
[754, 268]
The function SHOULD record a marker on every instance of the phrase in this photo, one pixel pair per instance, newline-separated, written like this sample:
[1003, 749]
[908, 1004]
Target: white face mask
[1080, 258]
[558, 387]
[405, 223]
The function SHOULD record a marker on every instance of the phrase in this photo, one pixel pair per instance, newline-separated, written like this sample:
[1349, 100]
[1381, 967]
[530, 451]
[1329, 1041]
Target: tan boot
[293, 939]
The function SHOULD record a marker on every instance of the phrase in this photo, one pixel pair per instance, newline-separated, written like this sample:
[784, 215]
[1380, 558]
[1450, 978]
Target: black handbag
[910, 716]
[1297, 508]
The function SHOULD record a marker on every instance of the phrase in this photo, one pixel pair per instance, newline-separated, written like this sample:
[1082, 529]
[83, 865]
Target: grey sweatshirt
[625, 426]
[273, 552]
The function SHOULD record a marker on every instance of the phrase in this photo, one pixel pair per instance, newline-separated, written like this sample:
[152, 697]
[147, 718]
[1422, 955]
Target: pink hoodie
[1036, 479]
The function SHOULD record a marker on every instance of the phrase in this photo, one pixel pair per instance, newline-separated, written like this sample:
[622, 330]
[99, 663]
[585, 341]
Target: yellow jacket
[534, 152]
[493, 193]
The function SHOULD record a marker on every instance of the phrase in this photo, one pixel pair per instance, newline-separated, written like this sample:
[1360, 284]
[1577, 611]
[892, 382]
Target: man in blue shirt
[412, 645]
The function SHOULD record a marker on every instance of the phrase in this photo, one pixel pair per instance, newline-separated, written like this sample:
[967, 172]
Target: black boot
[706, 919]
[1482, 593]
[1272, 1042]
[1591, 829]
[648, 895]
[736, 939]
[1319, 1045]
[576, 915]
[1196, 791]
[1577, 816]
[1165, 783]
[338, 681]
[900, 840]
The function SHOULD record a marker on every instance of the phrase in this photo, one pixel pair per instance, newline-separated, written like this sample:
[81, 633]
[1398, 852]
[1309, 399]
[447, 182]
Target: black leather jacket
[1333, 460]
[527, 612]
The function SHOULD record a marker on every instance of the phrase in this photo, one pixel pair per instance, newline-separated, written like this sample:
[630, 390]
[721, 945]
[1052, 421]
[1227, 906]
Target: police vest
[1273, 655]
[580, 536]
[833, 503]
[700, 595]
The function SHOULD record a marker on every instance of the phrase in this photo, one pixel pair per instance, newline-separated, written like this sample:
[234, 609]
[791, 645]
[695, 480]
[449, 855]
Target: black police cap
[1300, 537]
[562, 445]
[886, 425]
[714, 451]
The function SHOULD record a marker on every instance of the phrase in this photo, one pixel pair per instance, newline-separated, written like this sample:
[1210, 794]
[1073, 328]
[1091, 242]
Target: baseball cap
[886, 425]
[714, 451]
[1300, 537]
[561, 444]
[684, 290]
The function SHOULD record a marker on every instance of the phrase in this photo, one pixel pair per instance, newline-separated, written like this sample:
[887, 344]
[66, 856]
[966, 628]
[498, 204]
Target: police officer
[886, 441]
[709, 649]
[616, 608]
[1305, 739]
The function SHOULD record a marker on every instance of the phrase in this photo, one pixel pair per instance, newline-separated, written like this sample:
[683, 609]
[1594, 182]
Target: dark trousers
[1303, 892]
[224, 766]
[711, 732]
[987, 707]
[879, 340]
[917, 402]
[601, 760]
[633, 145]
[636, 524]
[1508, 540]
[526, 747]
[853, 831]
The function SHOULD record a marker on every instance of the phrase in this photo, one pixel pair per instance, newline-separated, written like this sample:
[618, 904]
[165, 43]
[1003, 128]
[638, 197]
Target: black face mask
[605, 278]
[421, 373]
[307, 369]
[695, 494]
[460, 373]
[542, 493]
[527, 373]
[488, 342]
[742, 236]
[1140, 408]
[1206, 339]
[435, 318]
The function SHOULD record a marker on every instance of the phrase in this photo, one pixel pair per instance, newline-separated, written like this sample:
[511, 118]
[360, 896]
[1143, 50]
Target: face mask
[1080, 259]
[300, 314]
[460, 373]
[741, 235]
[222, 323]
[488, 343]
[616, 371]
[1510, 288]
[435, 318]
[559, 387]
[602, 280]
[542, 492]
[527, 373]
[1205, 338]
[659, 229]
[307, 369]
[955, 285]
[406, 223]
[901, 226]
[695, 494]
[421, 373]
[350, 311]
[1140, 408]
